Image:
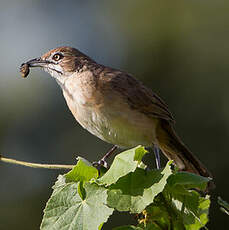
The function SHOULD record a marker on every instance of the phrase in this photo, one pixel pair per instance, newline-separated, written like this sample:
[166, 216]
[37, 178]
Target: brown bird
[116, 107]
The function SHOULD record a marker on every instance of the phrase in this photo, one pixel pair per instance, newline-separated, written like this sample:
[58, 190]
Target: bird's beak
[37, 62]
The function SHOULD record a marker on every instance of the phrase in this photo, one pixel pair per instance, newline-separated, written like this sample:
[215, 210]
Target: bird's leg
[103, 162]
[157, 156]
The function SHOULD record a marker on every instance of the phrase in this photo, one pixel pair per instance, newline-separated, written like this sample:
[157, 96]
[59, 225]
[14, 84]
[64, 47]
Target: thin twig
[35, 165]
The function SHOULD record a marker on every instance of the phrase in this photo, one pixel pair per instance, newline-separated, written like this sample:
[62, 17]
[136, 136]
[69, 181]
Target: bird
[116, 107]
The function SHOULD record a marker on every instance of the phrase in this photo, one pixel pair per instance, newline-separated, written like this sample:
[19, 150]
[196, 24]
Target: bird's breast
[107, 115]
[87, 112]
[85, 101]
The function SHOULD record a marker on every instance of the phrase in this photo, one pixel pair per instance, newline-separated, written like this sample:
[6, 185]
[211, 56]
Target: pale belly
[124, 132]
[119, 126]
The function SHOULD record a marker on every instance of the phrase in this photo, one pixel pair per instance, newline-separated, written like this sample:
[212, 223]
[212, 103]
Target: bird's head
[60, 62]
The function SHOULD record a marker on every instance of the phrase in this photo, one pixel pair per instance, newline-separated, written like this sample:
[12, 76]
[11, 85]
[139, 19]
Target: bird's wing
[137, 95]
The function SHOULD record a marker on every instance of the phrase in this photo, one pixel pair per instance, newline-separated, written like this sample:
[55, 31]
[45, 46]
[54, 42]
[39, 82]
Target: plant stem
[35, 165]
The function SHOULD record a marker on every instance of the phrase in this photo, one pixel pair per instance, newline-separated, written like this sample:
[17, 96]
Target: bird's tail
[174, 149]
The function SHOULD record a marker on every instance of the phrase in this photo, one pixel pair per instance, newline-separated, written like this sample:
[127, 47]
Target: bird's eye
[57, 56]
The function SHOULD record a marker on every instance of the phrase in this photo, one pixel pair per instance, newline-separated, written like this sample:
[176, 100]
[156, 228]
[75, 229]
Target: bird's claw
[99, 164]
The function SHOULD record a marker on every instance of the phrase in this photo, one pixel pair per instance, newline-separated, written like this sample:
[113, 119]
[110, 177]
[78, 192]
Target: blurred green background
[177, 48]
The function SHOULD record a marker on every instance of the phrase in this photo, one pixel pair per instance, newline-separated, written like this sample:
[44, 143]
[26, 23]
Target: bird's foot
[101, 166]
[157, 156]
[100, 163]
[103, 163]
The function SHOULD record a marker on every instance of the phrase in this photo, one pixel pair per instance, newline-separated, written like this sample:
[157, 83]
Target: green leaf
[192, 208]
[123, 164]
[67, 210]
[201, 218]
[61, 181]
[161, 215]
[165, 199]
[139, 153]
[187, 201]
[137, 190]
[83, 171]
[188, 180]
[224, 204]
[142, 165]
[155, 217]
[81, 191]
[100, 226]
[167, 213]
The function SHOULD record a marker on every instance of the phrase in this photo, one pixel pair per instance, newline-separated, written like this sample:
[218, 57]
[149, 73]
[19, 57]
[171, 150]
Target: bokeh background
[177, 48]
